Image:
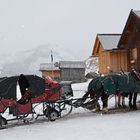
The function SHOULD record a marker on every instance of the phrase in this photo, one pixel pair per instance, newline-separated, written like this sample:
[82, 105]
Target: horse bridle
[136, 73]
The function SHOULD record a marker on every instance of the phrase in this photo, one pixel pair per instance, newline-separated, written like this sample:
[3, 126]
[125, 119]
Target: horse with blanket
[112, 84]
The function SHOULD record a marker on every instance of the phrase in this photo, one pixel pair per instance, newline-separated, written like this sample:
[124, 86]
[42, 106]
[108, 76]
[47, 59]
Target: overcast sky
[25, 24]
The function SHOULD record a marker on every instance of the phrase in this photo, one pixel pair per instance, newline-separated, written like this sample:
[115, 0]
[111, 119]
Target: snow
[92, 65]
[80, 124]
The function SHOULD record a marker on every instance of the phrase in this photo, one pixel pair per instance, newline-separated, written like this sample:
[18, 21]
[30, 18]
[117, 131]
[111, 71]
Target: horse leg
[98, 108]
[134, 101]
[130, 100]
[104, 99]
[116, 101]
[119, 100]
[123, 102]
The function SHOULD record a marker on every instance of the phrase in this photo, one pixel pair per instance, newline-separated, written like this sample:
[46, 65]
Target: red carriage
[35, 90]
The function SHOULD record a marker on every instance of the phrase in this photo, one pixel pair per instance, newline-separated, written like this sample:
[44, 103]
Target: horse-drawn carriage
[34, 91]
[50, 94]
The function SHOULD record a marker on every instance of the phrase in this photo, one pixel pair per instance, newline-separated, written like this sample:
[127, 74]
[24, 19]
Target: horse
[112, 84]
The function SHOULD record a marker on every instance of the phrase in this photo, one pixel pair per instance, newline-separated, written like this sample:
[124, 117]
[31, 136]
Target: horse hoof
[105, 110]
[131, 106]
[135, 108]
[124, 106]
[97, 109]
[119, 106]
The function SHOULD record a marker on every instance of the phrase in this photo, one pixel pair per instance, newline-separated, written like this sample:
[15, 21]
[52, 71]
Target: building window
[133, 55]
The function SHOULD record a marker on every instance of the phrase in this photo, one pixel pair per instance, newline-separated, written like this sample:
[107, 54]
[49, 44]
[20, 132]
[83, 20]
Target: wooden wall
[134, 50]
[113, 61]
[119, 61]
[104, 62]
[73, 74]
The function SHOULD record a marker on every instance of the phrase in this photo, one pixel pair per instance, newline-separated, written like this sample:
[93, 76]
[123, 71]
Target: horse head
[135, 73]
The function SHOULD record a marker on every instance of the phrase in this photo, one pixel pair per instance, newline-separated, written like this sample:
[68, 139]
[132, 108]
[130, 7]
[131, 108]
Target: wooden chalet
[110, 58]
[130, 39]
[118, 52]
[64, 71]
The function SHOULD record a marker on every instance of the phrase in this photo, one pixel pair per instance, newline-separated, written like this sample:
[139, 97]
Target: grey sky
[25, 24]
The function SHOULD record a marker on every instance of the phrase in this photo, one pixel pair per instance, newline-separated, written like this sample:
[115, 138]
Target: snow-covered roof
[129, 32]
[72, 64]
[48, 66]
[109, 41]
[137, 13]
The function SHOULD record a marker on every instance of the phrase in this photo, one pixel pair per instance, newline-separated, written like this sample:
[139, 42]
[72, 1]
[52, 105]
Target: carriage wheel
[65, 109]
[51, 113]
[3, 122]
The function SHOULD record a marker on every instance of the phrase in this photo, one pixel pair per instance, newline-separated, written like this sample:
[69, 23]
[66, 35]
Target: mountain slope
[28, 62]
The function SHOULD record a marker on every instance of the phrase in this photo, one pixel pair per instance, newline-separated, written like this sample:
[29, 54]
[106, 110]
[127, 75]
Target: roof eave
[132, 13]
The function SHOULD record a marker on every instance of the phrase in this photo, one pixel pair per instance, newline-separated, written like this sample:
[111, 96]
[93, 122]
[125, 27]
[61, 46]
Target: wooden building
[50, 69]
[64, 71]
[130, 39]
[110, 58]
[72, 71]
[118, 52]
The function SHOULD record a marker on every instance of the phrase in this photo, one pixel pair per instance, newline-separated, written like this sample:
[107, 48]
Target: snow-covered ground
[80, 124]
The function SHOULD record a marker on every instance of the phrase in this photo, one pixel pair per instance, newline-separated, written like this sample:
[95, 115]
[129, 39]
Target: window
[133, 55]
